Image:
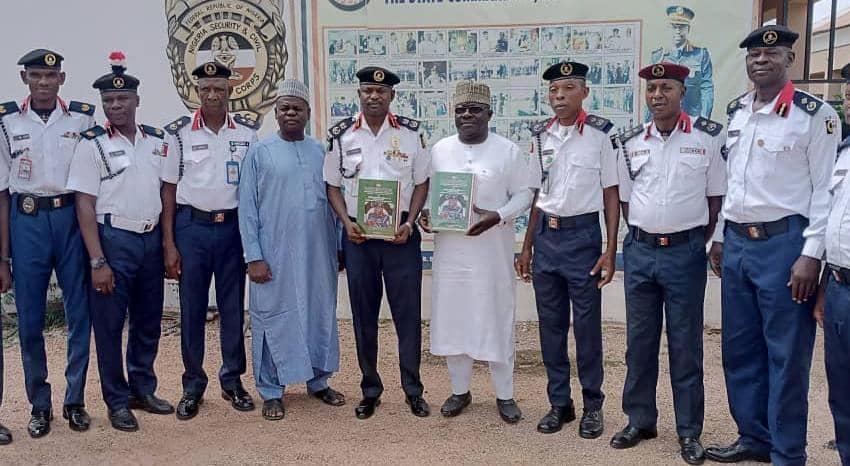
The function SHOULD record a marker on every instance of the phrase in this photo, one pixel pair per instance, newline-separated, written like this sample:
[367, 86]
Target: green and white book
[377, 207]
[451, 200]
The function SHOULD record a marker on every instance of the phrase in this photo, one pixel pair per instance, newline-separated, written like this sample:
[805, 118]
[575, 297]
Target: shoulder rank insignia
[707, 126]
[734, 105]
[176, 125]
[620, 139]
[93, 132]
[809, 103]
[602, 124]
[81, 107]
[540, 127]
[155, 132]
[7, 108]
[336, 131]
[408, 123]
[247, 122]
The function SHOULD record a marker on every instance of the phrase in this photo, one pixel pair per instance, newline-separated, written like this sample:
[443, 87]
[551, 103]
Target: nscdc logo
[349, 5]
[566, 69]
[246, 36]
[658, 71]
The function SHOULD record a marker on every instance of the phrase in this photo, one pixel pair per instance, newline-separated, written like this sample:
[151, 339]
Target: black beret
[377, 75]
[211, 69]
[774, 35]
[565, 70]
[41, 58]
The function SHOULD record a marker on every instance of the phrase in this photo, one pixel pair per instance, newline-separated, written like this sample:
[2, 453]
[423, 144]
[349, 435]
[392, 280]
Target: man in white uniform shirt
[117, 173]
[376, 144]
[579, 168]
[474, 286]
[780, 149]
[200, 230]
[672, 182]
[37, 142]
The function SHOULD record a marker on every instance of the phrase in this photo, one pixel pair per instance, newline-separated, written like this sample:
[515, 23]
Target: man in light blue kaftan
[290, 240]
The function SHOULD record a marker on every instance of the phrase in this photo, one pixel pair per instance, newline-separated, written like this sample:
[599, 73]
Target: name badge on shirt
[20, 137]
[733, 133]
[354, 151]
[692, 150]
[638, 153]
[199, 147]
[840, 172]
[25, 169]
[117, 153]
[232, 169]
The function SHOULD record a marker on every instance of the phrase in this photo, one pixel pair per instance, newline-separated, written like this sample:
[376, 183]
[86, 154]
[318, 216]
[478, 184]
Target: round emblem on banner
[658, 71]
[566, 69]
[349, 5]
[769, 37]
[118, 83]
[50, 59]
[28, 205]
[210, 69]
[245, 36]
[378, 76]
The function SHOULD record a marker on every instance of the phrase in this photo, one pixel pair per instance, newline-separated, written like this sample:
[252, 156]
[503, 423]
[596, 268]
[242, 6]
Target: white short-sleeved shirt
[128, 183]
[580, 162]
[672, 178]
[780, 161]
[838, 225]
[35, 156]
[207, 156]
[397, 152]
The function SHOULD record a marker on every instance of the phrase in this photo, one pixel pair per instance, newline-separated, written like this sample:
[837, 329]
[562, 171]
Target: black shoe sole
[358, 415]
[639, 439]
[126, 429]
[591, 435]
[458, 411]
[544, 430]
[754, 459]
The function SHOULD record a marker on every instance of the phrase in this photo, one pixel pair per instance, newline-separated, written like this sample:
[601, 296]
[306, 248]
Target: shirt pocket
[197, 153]
[583, 170]
[775, 150]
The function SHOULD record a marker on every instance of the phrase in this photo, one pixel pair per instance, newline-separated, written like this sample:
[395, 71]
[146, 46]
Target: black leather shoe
[39, 424]
[5, 435]
[418, 406]
[239, 399]
[455, 404]
[692, 451]
[556, 418]
[188, 406]
[78, 418]
[123, 419]
[735, 453]
[631, 436]
[509, 411]
[366, 408]
[591, 425]
[150, 403]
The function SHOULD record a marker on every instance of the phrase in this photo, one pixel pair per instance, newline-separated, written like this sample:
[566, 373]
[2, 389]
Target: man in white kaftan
[474, 287]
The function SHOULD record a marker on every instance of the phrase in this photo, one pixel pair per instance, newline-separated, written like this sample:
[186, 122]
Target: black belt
[216, 216]
[30, 205]
[663, 240]
[554, 222]
[759, 231]
[843, 274]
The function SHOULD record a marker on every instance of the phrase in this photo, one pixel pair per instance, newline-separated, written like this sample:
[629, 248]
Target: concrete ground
[313, 433]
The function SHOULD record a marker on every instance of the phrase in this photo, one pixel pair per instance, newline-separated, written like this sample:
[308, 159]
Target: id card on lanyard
[231, 167]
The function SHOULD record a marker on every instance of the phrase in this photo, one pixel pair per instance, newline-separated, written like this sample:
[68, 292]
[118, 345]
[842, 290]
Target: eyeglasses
[474, 110]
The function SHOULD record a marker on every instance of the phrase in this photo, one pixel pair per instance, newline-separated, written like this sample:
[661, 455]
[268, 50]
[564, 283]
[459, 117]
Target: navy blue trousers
[767, 343]
[562, 263]
[370, 266]
[42, 243]
[207, 250]
[137, 264]
[836, 333]
[665, 284]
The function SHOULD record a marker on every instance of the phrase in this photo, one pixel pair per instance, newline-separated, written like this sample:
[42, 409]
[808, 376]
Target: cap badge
[658, 71]
[769, 37]
[117, 83]
[566, 69]
[50, 59]
[378, 76]
[210, 69]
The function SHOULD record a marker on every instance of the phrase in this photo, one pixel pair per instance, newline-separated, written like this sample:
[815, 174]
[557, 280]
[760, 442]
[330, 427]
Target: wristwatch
[97, 262]
[7, 260]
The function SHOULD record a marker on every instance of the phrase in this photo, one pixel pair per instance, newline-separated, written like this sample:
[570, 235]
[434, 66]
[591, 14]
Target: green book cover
[451, 200]
[377, 207]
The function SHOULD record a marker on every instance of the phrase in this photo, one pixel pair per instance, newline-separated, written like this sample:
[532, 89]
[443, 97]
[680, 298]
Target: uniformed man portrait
[699, 97]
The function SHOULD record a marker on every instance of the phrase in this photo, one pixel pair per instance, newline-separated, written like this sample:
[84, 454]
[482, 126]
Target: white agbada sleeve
[524, 179]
